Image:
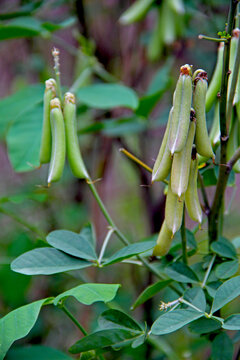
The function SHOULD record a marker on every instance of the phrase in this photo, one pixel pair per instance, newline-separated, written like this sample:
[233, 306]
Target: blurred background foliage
[134, 67]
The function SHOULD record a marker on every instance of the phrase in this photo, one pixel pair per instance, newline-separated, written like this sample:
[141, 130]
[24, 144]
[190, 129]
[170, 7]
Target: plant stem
[74, 320]
[106, 240]
[184, 239]
[55, 54]
[81, 79]
[213, 219]
[211, 38]
[208, 271]
[183, 301]
[32, 228]
[161, 345]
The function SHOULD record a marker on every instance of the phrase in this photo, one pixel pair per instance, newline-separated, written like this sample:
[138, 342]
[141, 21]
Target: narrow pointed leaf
[17, 324]
[174, 320]
[89, 293]
[149, 292]
[226, 293]
[72, 244]
[46, 261]
[129, 251]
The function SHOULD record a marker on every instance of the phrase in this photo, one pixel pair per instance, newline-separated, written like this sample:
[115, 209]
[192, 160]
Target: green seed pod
[215, 84]
[182, 99]
[191, 196]
[136, 12]
[235, 37]
[181, 162]
[164, 241]
[173, 210]
[163, 162]
[233, 143]
[73, 151]
[45, 148]
[58, 142]
[202, 140]
[215, 130]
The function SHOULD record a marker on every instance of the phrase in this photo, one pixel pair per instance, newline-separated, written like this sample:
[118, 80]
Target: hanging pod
[182, 99]
[155, 45]
[73, 151]
[136, 12]
[191, 196]
[215, 84]
[58, 142]
[202, 140]
[215, 130]
[164, 241]
[173, 210]
[45, 148]
[232, 59]
[181, 162]
[233, 143]
[236, 99]
[163, 162]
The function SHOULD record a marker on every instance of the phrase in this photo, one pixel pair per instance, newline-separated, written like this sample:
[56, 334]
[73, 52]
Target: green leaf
[23, 140]
[212, 287]
[196, 297]
[232, 322]
[108, 96]
[204, 326]
[15, 105]
[191, 243]
[129, 251]
[157, 88]
[89, 234]
[103, 338]
[181, 273]
[20, 28]
[222, 347]
[226, 269]
[72, 244]
[89, 293]
[224, 248]
[226, 293]
[17, 324]
[236, 242]
[113, 318]
[50, 26]
[174, 320]
[46, 261]
[209, 177]
[36, 352]
[139, 341]
[149, 292]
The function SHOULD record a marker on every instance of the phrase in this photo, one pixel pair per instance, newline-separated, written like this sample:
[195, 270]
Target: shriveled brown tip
[192, 115]
[186, 70]
[199, 74]
[69, 98]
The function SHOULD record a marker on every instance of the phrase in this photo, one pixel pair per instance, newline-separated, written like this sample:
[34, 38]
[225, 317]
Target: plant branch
[30, 227]
[208, 271]
[74, 320]
[213, 219]
[204, 37]
[105, 243]
[234, 159]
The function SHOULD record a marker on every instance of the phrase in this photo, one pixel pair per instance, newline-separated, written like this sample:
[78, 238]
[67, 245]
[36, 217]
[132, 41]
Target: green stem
[184, 239]
[208, 271]
[81, 79]
[211, 38]
[55, 54]
[30, 227]
[161, 345]
[74, 320]
[104, 245]
[213, 219]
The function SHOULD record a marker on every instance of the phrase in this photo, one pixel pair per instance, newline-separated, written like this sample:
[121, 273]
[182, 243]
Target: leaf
[129, 251]
[181, 273]
[46, 261]
[103, 338]
[196, 297]
[226, 269]
[174, 320]
[222, 347]
[232, 322]
[204, 326]
[158, 86]
[209, 177]
[15, 105]
[17, 324]
[224, 248]
[191, 243]
[139, 341]
[226, 293]
[149, 292]
[72, 244]
[20, 28]
[236, 242]
[113, 318]
[108, 96]
[89, 293]
[36, 352]
[23, 140]
[88, 233]
[212, 287]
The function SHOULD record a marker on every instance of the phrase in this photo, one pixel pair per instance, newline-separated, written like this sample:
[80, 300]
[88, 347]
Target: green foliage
[37, 352]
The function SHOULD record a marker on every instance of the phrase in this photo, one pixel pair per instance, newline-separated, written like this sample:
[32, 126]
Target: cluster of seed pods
[59, 135]
[186, 137]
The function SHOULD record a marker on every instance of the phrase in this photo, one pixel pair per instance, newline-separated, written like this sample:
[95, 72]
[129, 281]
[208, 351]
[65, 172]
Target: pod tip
[69, 98]
[55, 103]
